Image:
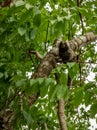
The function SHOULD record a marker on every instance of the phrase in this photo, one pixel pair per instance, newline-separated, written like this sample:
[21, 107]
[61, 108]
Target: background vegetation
[34, 25]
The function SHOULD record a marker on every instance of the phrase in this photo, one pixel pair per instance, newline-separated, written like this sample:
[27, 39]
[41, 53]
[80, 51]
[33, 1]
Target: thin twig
[69, 82]
[46, 34]
[29, 53]
[78, 61]
[80, 15]
[38, 55]
[81, 20]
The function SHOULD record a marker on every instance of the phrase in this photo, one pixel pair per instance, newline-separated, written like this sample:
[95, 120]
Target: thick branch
[63, 50]
[45, 126]
[49, 62]
[61, 115]
[7, 3]
[67, 49]
[77, 43]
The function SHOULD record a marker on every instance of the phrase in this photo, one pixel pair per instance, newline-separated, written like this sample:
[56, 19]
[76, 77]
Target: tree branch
[38, 55]
[45, 126]
[7, 3]
[82, 25]
[80, 15]
[61, 115]
[46, 35]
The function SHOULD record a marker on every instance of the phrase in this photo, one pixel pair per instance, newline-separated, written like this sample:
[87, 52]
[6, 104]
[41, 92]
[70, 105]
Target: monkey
[65, 52]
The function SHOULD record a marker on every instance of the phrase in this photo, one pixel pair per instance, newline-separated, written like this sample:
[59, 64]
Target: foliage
[33, 25]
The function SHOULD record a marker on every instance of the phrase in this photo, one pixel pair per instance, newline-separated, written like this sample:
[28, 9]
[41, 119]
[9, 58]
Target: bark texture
[67, 49]
[61, 115]
[7, 3]
[49, 62]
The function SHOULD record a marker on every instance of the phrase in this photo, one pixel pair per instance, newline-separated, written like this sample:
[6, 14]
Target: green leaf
[33, 82]
[59, 18]
[36, 10]
[20, 83]
[37, 20]
[45, 85]
[36, 85]
[1, 75]
[59, 27]
[93, 109]
[73, 69]
[43, 90]
[28, 6]
[49, 81]
[21, 31]
[28, 117]
[52, 91]
[40, 81]
[43, 2]
[61, 91]
[63, 78]
[88, 97]
[68, 17]
[19, 3]
[27, 37]
[71, 64]
[33, 33]
[77, 97]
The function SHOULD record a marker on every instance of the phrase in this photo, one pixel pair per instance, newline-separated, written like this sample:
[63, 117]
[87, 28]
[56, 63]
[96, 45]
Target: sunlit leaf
[28, 6]
[19, 3]
[21, 31]
[1, 75]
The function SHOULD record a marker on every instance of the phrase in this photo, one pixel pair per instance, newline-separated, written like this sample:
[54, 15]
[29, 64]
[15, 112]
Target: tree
[60, 78]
